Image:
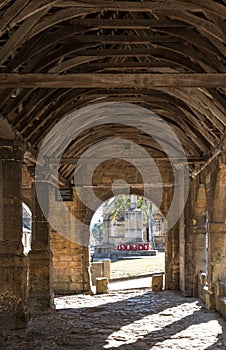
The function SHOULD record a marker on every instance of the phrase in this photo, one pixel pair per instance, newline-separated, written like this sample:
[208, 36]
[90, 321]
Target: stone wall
[204, 215]
[68, 265]
[212, 199]
[70, 259]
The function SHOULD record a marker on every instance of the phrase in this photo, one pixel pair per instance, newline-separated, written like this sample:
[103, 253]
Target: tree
[97, 231]
[123, 202]
[120, 202]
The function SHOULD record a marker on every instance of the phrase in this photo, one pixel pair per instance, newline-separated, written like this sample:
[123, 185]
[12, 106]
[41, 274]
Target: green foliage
[123, 202]
[120, 202]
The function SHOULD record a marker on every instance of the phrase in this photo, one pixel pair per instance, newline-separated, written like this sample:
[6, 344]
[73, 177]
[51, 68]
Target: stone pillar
[40, 256]
[70, 246]
[107, 268]
[13, 270]
[200, 231]
[217, 230]
[187, 242]
[172, 258]
[172, 247]
[217, 266]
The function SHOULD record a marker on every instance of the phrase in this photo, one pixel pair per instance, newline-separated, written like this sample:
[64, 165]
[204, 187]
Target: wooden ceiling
[167, 56]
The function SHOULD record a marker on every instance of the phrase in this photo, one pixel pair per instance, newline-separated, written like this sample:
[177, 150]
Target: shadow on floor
[125, 321]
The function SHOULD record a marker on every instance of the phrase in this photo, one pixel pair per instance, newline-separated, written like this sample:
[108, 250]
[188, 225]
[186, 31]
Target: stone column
[217, 229]
[13, 271]
[40, 256]
[69, 245]
[171, 247]
[172, 258]
[175, 237]
[188, 244]
[200, 230]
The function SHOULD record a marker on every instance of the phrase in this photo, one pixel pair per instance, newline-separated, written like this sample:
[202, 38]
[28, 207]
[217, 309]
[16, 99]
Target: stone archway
[70, 247]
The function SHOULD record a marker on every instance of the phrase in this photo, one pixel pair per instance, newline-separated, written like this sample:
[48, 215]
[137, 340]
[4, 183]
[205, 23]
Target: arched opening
[128, 231]
[115, 146]
[27, 228]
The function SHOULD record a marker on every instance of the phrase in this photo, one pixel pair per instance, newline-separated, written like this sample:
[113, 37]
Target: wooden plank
[72, 63]
[4, 3]
[93, 160]
[163, 54]
[198, 102]
[64, 34]
[194, 38]
[215, 153]
[32, 8]
[130, 80]
[18, 37]
[146, 6]
[125, 39]
[158, 67]
[127, 23]
[130, 52]
[59, 17]
[91, 23]
[177, 48]
[10, 13]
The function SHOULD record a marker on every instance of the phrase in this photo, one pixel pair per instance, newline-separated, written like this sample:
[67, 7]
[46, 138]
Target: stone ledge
[118, 279]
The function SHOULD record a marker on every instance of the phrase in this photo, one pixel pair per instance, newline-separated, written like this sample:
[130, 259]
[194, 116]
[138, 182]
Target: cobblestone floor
[125, 321]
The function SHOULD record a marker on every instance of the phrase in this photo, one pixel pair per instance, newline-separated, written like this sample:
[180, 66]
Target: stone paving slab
[125, 320]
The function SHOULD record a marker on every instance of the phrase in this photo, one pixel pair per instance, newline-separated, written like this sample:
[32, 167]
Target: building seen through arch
[101, 99]
[128, 224]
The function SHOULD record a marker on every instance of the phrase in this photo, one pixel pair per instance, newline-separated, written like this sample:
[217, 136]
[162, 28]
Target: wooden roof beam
[143, 6]
[102, 80]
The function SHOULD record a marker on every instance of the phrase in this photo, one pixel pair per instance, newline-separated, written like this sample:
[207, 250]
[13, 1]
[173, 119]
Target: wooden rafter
[138, 80]
[58, 56]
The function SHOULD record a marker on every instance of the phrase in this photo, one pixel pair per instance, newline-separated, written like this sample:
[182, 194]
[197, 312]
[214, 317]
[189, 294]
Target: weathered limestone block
[96, 271]
[100, 269]
[172, 258]
[13, 264]
[69, 258]
[157, 283]
[40, 256]
[107, 268]
[102, 285]
[41, 296]
[71, 265]
[13, 273]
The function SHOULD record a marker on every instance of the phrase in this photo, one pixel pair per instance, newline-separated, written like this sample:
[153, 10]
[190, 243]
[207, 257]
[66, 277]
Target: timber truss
[169, 57]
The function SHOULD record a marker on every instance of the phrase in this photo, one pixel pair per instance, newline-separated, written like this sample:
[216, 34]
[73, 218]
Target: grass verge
[135, 267]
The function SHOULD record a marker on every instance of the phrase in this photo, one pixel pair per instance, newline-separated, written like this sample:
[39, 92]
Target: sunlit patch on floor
[167, 322]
